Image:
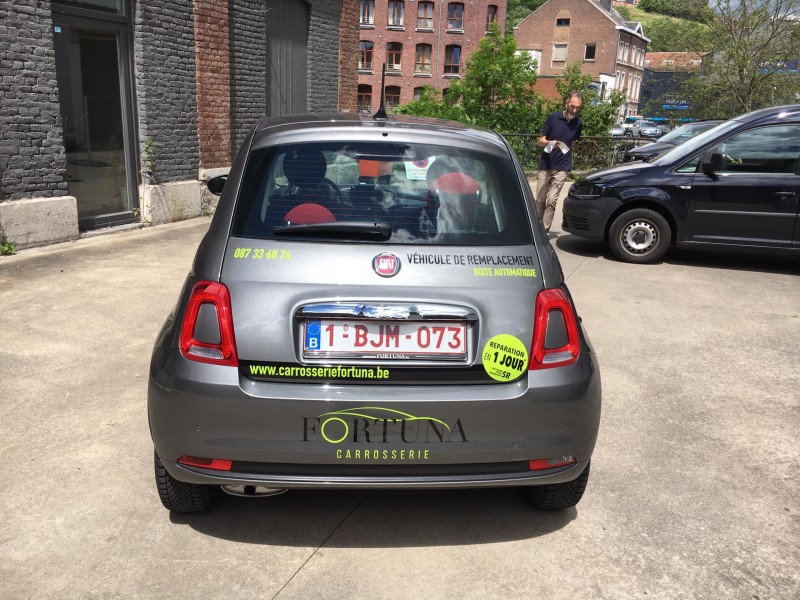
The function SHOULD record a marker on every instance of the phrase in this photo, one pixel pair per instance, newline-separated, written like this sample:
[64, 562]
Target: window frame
[586, 47]
[566, 53]
[492, 12]
[417, 62]
[452, 69]
[393, 19]
[563, 22]
[452, 20]
[395, 52]
[423, 7]
[363, 53]
[369, 20]
[389, 96]
[363, 93]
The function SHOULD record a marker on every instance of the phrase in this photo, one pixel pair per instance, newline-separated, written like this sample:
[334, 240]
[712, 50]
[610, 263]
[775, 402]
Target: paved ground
[693, 493]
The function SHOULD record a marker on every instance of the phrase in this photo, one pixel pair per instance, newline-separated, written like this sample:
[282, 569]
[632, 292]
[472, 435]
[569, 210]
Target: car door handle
[785, 194]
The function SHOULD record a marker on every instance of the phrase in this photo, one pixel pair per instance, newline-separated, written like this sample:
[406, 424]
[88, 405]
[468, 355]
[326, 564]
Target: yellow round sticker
[505, 358]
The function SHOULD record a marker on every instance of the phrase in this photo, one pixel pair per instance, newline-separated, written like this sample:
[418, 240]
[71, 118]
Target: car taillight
[554, 304]
[217, 464]
[218, 347]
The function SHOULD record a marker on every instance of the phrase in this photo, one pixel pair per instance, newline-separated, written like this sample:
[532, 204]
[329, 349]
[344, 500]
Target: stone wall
[32, 158]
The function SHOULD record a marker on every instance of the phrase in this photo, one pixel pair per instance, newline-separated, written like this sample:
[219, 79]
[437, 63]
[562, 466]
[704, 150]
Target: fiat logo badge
[386, 264]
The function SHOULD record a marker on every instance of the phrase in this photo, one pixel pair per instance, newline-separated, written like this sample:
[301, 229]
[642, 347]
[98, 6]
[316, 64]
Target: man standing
[560, 129]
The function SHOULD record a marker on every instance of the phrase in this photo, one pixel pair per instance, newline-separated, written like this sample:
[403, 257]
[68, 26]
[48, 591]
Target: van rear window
[393, 193]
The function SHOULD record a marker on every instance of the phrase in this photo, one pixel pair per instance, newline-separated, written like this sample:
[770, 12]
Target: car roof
[789, 111]
[315, 127]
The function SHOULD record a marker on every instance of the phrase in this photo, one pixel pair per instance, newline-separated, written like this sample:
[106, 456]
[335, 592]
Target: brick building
[422, 43]
[113, 111]
[561, 32]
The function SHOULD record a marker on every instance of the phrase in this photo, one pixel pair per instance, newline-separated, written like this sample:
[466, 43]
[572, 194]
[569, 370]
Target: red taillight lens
[217, 464]
[223, 351]
[541, 464]
[542, 357]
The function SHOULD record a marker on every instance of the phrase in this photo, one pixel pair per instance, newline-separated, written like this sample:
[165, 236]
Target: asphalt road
[693, 492]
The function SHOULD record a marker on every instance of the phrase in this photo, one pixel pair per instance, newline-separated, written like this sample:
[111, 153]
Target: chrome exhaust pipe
[252, 491]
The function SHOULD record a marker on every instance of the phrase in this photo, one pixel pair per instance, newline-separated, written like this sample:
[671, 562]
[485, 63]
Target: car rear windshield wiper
[351, 230]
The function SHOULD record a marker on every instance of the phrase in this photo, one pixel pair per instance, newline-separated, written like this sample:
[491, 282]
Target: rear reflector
[540, 464]
[217, 464]
[554, 300]
[221, 351]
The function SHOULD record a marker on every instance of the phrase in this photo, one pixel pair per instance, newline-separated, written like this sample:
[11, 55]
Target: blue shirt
[556, 127]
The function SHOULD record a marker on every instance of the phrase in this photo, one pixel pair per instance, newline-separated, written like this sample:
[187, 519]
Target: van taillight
[215, 349]
[554, 303]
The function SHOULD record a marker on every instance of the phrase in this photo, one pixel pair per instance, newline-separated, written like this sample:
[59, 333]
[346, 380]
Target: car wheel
[639, 236]
[183, 497]
[557, 496]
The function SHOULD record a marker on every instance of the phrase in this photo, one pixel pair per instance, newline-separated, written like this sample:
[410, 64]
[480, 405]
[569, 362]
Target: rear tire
[557, 496]
[183, 497]
[639, 235]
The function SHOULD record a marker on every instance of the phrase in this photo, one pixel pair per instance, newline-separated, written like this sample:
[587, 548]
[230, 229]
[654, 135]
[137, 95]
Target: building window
[418, 93]
[560, 52]
[394, 51]
[423, 59]
[367, 12]
[425, 15]
[365, 55]
[590, 51]
[364, 97]
[491, 16]
[452, 60]
[396, 13]
[392, 96]
[455, 16]
[562, 22]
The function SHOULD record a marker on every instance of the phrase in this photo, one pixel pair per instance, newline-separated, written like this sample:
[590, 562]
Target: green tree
[753, 40]
[496, 91]
[671, 35]
[598, 114]
[695, 10]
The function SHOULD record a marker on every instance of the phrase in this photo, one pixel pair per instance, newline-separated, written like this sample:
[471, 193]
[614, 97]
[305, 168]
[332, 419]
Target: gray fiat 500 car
[375, 305]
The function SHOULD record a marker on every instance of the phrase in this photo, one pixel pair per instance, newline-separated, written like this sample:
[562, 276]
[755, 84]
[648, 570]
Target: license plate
[385, 340]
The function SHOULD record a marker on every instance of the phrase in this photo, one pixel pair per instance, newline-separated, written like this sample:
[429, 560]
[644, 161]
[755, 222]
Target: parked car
[628, 123]
[644, 128]
[735, 185]
[673, 138]
[374, 305]
[617, 130]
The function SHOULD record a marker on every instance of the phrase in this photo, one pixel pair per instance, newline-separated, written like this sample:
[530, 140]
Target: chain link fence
[589, 153]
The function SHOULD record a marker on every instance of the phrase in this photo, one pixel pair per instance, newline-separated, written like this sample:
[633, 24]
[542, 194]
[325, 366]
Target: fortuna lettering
[336, 430]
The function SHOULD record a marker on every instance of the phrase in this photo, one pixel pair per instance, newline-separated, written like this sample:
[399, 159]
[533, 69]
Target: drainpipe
[438, 44]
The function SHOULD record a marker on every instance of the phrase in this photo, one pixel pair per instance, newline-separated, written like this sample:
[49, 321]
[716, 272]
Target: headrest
[305, 168]
[307, 214]
[456, 183]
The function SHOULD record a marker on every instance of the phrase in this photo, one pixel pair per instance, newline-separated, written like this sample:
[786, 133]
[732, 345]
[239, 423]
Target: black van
[734, 185]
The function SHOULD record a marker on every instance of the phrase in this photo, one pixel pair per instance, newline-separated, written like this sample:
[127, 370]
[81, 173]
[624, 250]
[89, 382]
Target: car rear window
[393, 193]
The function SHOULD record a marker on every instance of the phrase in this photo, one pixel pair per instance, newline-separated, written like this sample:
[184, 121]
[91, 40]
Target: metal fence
[589, 153]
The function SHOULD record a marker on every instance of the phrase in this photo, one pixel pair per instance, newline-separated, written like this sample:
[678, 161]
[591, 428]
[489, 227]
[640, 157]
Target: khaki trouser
[548, 188]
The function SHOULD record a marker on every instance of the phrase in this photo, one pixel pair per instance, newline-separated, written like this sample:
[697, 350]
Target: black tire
[557, 496]
[639, 235]
[183, 497]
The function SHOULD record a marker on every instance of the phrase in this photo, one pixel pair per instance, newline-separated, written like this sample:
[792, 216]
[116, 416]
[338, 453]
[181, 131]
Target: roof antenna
[381, 114]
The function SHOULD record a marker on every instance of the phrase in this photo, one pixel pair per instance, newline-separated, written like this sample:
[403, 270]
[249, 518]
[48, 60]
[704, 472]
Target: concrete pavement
[693, 492]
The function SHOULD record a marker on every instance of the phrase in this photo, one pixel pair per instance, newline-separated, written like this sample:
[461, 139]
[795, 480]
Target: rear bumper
[296, 435]
[588, 218]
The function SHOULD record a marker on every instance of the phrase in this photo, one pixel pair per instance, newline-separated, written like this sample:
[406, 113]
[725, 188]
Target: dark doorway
[287, 41]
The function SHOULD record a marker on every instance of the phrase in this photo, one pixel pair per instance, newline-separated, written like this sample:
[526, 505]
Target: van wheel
[639, 235]
[557, 496]
[183, 497]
